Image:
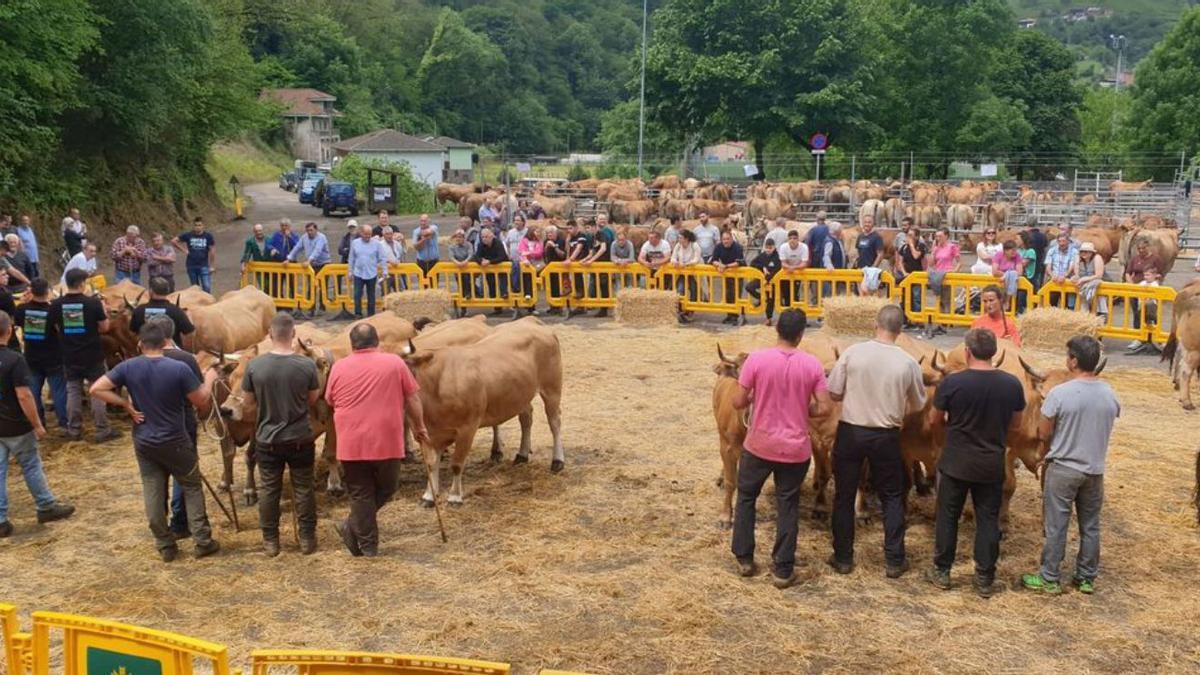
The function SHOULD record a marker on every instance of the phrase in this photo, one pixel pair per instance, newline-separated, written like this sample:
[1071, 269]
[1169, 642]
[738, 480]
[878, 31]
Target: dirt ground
[616, 565]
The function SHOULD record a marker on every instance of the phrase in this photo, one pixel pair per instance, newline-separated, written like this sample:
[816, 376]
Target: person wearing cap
[767, 262]
[344, 246]
[535, 211]
[1089, 272]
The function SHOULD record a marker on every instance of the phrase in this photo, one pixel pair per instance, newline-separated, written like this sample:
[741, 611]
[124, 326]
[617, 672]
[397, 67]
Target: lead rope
[213, 418]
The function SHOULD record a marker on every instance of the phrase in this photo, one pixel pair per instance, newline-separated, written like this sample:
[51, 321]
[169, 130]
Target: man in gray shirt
[284, 385]
[1078, 417]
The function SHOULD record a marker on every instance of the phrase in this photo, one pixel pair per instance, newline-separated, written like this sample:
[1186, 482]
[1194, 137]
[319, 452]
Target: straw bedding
[642, 308]
[1051, 327]
[852, 316]
[433, 304]
[616, 565]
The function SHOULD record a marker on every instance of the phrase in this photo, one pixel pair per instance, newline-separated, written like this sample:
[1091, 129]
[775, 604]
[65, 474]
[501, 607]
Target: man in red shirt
[787, 386]
[371, 392]
[993, 317]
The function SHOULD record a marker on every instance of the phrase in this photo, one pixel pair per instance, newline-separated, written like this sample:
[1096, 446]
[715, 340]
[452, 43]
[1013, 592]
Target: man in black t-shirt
[80, 319]
[979, 406]
[43, 352]
[581, 242]
[179, 523]
[160, 305]
[20, 429]
[869, 245]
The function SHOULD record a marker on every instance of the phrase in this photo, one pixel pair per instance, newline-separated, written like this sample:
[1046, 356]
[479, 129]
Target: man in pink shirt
[786, 386]
[371, 392]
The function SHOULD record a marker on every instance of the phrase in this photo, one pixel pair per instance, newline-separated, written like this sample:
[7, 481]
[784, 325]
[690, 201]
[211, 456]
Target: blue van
[339, 197]
[308, 189]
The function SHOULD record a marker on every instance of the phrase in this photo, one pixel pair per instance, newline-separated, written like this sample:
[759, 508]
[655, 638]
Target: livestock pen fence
[81, 645]
[1144, 311]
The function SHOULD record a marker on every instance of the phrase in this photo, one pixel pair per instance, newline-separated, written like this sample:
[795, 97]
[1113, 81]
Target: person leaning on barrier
[581, 242]
[530, 253]
[554, 249]
[994, 319]
[20, 429]
[910, 259]
[425, 243]
[767, 262]
[707, 235]
[460, 254]
[727, 256]
[686, 254]
[1078, 417]
[255, 248]
[393, 249]
[979, 407]
[944, 258]
[512, 245]
[602, 238]
[314, 246]
[787, 388]
[491, 254]
[879, 384]
[794, 256]
[1140, 261]
[160, 389]
[1089, 274]
[656, 251]
[1008, 266]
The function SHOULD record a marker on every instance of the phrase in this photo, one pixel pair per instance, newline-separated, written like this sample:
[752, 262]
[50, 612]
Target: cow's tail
[1168, 352]
[1196, 489]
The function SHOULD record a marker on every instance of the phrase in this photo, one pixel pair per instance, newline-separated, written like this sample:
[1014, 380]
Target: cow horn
[921, 360]
[1037, 375]
[1100, 368]
[1000, 361]
[837, 353]
[411, 349]
[724, 359]
[933, 362]
[177, 297]
[127, 303]
[138, 300]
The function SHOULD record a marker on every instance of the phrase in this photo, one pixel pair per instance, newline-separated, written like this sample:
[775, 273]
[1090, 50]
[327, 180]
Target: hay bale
[432, 304]
[1051, 327]
[852, 315]
[641, 308]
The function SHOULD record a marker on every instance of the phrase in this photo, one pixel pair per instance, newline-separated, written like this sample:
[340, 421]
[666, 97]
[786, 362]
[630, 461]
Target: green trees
[1166, 95]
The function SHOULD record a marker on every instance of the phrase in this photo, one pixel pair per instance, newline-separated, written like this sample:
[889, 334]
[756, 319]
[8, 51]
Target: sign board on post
[523, 167]
[987, 170]
[818, 143]
[750, 170]
[381, 193]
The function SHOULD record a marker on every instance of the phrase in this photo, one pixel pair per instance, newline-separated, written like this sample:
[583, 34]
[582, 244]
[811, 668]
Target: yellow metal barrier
[703, 289]
[336, 286]
[405, 277]
[307, 662]
[808, 289]
[592, 286]
[98, 647]
[1135, 307]
[474, 285]
[18, 657]
[290, 285]
[959, 290]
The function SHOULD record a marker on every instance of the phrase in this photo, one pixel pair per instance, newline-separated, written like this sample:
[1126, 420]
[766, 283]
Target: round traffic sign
[818, 141]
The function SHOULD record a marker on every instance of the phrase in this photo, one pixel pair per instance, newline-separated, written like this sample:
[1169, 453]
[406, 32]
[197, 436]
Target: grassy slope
[250, 161]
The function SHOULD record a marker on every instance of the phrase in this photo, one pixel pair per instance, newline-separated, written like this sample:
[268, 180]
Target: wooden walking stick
[295, 517]
[232, 518]
[437, 508]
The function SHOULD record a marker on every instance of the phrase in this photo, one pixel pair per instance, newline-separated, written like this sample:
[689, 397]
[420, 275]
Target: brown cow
[1163, 244]
[192, 296]
[637, 211]
[960, 217]
[995, 214]
[926, 217]
[1182, 350]
[1127, 186]
[240, 319]
[451, 192]
[765, 208]
[674, 208]
[712, 207]
[894, 211]
[875, 209]
[485, 384]
[666, 182]
[119, 343]
[731, 428]
[556, 207]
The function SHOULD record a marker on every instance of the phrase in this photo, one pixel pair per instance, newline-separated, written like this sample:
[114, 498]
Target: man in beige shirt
[878, 384]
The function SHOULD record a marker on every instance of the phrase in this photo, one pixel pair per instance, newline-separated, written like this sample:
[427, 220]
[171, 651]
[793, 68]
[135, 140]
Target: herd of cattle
[970, 205]
[458, 394]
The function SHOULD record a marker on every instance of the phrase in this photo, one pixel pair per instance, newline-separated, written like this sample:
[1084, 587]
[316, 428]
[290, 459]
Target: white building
[308, 117]
[427, 160]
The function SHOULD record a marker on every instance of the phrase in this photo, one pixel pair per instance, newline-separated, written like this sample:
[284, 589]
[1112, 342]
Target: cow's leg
[1010, 488]
[1188, 364]
[334, 485]
[497, 455]
[821, 474]
[551, 399]
[228, 452]
[458, 462]
[250, 492]
[862, 509]
[730, 454]
[433, 466]
[526, 419]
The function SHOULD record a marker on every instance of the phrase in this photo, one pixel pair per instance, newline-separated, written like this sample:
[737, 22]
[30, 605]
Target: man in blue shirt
[367, 257]
[161, 390]
[201, 250]
[281, 243]
[314, 246]
[29, 243]
[425, 241]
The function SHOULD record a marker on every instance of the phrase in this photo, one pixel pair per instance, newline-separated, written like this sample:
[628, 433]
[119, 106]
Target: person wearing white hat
[1089, 272]
[344, 246]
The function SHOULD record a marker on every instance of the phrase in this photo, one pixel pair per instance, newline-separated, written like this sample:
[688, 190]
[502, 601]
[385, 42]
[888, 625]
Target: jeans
[880, 449]
[134, 276]
[75, 395]
[915, 298]
[200, 276]
[58, 392]
[426, 265]
[156, 465]
[178, 505]
[37, 270]
[361, 285]
[370, 484]
[1065, 487]
[752, 474]
[754, 290]
[986, 498]
[491, 286]
[24, 448]
[299, 458]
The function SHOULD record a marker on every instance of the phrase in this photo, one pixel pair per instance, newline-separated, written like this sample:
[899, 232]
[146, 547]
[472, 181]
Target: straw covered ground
[616, 564]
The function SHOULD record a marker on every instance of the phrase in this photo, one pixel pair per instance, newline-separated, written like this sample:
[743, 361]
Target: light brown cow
[485, 384]
[996, 214]
[556, 207]
[894, 211]
[667, 182]
[674, 208]
[731, 428]
[1182, 351]
[1127, 186]
[765, 208]
[926, 217]
[192, 296]
[451, 192]
[1163, 244]
[394, 333]
[637, 211]
[240, 319]
[712, 207]
[875, 209]
[960, 217]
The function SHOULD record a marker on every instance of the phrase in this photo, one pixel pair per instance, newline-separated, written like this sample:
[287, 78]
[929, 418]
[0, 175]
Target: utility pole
[1118, 43]
[642, 99]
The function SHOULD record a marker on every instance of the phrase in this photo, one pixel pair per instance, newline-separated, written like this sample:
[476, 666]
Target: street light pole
[642, 98]
[1118, 43]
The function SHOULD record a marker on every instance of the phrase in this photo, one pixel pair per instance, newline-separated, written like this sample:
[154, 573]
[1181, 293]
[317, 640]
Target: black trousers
[880, 450]
[752, 474]
[986, 498]
[754, 289]
[370, 485]
[298, 458]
